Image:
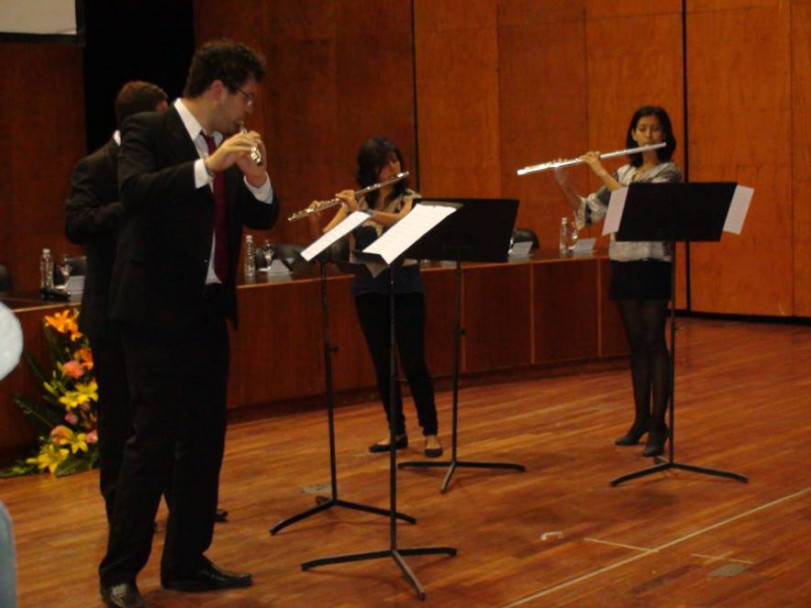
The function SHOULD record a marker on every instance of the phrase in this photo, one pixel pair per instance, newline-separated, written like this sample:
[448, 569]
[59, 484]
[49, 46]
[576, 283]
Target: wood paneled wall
[739, 104]
[339, 71]
[472, 90]
[42, 135]
[801, 153]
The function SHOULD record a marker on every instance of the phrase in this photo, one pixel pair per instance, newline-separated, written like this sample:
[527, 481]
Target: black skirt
[640, 280]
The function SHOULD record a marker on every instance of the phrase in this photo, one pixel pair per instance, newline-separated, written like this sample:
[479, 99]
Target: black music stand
[394, 552]
[323, 502]
[675, 212]
[479, 232]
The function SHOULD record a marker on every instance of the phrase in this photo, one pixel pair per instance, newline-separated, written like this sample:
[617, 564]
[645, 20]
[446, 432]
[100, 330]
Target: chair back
[521, 235]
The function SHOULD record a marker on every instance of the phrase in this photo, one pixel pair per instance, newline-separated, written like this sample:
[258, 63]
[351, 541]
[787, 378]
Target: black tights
[644, 322]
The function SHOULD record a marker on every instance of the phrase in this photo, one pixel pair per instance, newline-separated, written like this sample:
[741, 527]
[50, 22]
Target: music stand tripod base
[322, 502]
[454, 464]
[675, 212]
[664, 465]
[395, 554]
[464, 239]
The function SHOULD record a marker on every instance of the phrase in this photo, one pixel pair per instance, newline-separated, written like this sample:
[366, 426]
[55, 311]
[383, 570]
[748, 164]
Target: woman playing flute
[379, 160]
[640, 272]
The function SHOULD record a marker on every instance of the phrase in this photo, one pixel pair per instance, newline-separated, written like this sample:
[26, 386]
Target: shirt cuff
[263, 193]
[201, 175]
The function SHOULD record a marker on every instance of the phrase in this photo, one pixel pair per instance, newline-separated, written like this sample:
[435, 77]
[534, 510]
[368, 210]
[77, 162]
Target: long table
[545, 310]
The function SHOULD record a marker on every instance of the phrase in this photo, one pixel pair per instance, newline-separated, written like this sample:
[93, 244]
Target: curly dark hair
[137, 96]
[665, 153]
[372, 157]
[231, 62]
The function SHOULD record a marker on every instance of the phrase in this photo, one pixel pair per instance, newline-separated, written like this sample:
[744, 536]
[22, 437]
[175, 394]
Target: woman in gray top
[640, 271]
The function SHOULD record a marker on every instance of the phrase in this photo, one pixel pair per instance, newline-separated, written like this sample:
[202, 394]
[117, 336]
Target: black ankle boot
[655, 445]
[633, 435]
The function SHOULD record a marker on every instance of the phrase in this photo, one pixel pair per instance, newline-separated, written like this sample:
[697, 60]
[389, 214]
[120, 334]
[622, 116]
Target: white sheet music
[352, 221]
[616, 205]
[738, 209]
[408, 230]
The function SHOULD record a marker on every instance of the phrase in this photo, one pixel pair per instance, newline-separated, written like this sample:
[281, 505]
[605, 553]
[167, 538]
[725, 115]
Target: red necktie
[220, 224]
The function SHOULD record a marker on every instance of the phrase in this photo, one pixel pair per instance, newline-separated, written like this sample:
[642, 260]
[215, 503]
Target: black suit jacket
[92, 216]
[164, 242]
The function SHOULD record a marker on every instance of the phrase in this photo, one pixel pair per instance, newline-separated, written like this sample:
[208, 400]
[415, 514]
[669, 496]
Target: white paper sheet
[583, 247]
[408, 230]
[521, 249]
[738, 209]
[616, 205]
[352, 221]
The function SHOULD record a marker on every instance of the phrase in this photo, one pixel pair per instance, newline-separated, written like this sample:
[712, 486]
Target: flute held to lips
[577, 161]
[321, 205]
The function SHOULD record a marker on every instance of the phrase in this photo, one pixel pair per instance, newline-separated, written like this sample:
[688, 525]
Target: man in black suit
[188, 184]
[92, 215]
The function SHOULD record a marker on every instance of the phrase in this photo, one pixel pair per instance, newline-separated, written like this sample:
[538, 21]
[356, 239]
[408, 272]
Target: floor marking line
[613, 544]
[633, 558]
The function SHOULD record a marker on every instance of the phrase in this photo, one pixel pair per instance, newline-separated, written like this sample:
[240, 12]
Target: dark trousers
[178, 385]
[115, 412]
[409, 331]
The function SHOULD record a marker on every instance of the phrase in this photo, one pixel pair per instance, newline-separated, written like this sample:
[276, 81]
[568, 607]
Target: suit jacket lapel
[179, 145]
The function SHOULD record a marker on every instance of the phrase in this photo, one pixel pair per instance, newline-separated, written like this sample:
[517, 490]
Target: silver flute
[256, 153]
[321, 205]
[577, 161]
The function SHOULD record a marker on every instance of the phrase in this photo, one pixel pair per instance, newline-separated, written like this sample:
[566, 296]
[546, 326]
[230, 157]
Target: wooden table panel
[440, 302]
[565, 319]
[497, 313]
[279, 342]
[277, 352]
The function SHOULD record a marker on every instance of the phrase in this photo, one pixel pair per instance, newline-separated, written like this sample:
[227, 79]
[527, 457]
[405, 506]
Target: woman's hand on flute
[348, 199]
[561, 175]
[592, 159]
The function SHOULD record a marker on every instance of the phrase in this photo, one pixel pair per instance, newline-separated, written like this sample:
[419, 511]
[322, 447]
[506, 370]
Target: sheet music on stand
[407, 231]
[352, 221]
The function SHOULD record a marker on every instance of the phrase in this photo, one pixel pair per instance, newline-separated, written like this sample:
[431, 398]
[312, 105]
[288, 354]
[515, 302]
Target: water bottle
[250, 260]
[8, 566]
[573, 235]
[563, 241]
[46, 270]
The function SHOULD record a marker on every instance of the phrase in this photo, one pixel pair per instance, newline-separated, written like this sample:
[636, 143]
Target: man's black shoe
[124, 595]
[207, 578]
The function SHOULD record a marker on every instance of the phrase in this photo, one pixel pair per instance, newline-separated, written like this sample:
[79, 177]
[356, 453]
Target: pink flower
[71, 418]
[92, 437]
[60, 432]
[73, 369]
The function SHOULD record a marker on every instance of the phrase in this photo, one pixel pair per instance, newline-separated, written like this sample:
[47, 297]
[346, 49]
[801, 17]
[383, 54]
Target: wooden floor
[557, 535]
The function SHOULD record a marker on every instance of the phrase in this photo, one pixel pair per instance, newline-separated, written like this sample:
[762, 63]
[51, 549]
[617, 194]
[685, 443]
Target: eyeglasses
[249, 97]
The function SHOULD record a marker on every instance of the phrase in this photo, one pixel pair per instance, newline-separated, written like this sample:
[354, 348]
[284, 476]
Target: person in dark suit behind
[188, 185]
[92, 216]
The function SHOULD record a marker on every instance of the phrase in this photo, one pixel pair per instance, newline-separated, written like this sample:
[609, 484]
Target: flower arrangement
[66, 419]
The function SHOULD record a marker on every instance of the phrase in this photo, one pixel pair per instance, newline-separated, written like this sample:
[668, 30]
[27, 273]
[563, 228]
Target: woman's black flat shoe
[400, 443]
[433, 452]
